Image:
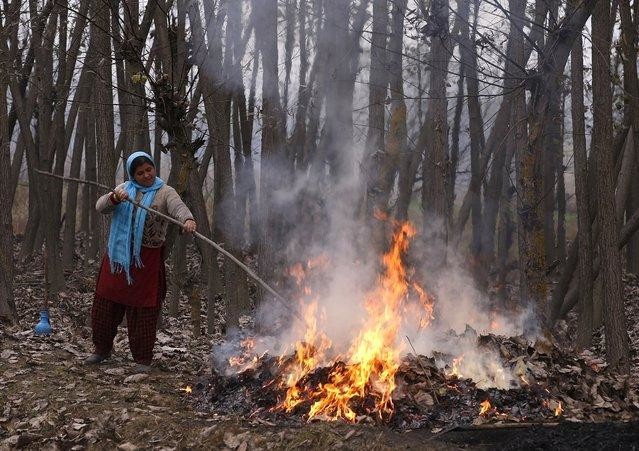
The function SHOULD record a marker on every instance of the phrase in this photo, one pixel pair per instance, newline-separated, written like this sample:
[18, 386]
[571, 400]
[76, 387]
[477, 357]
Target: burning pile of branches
[375, 380]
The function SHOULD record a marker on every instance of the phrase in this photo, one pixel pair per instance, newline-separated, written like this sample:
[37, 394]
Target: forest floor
[50, 400]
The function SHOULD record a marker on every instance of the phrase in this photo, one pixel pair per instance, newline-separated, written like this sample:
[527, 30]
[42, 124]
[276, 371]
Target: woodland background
[473, 119]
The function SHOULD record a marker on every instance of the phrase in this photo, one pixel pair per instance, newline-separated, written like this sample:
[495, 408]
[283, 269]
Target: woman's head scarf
[127, 225]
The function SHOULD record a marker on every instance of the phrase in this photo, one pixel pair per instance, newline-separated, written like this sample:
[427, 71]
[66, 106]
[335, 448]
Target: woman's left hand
[189, 226]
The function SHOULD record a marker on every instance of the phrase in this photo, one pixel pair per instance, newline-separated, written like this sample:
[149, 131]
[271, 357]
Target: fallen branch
[226, 253]
[493, 426]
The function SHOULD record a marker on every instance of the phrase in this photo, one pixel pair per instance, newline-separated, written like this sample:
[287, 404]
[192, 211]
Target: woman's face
[144, 174]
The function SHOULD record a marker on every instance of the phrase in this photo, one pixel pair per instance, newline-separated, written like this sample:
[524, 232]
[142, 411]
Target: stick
[423, 369]
[246, 269]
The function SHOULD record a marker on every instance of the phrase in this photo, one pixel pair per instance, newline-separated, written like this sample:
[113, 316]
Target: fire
[367, 373]
[380, 215]
[307, 358]
[555, 406]
[247, 359]
[485, 407]
[456, 364]
[427, 304]
[297, 272]
[188, 390]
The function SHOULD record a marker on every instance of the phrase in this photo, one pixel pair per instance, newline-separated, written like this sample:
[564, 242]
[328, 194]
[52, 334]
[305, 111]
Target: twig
[246, 269]
[423, 369]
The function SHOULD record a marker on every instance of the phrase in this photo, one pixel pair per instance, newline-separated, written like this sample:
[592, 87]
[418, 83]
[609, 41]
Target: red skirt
[149, 281]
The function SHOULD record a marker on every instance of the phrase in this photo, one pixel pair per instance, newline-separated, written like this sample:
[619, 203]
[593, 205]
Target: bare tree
[377, 91]
[475, 123]
[435, 174]
[629, 24]
[617, 348]
[533, 285]
[266, 35]
[584, 335]
[7, 305]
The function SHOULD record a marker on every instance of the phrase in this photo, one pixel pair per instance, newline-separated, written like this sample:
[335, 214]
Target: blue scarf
[125, 236]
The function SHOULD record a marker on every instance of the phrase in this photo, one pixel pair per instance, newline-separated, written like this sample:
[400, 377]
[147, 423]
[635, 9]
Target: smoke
[331, 264]
[331, 268]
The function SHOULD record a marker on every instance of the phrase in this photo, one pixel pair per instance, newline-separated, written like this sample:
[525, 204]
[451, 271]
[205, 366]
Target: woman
[132, 276]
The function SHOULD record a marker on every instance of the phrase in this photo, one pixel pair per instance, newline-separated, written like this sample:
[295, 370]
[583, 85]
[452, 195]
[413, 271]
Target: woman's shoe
[141, 368]
[94, 359]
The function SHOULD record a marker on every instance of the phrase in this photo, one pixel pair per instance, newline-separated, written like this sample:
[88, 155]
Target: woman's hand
[189, 226]
[120, 194]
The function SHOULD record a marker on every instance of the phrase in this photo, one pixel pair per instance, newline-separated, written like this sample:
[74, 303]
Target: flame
[379, 214]
[427, 304]
[367, 375]
[495, 325]
[456, 364]
[188, 390]
[321, 261]
[297, 272]
[485, 407]
[554, 405]
[307, 358]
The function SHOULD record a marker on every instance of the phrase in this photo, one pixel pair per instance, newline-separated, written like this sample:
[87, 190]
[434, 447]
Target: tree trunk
[298, 137]
[435, 170]
[561, 190]
[502, 126]
[7, 305]
[106, 157]
[631, 87]
[584, 221]
[476, 127]
[335, 147]
[247, 176]
[377, 91]
[91, 194]
[410, 162]
[617, 347]
[632, 250]
[506, 225]
[289, 18]
[384, 164]
[530, 182]
[455, 131]
[551, 148]
[266, 35]
[68, 241]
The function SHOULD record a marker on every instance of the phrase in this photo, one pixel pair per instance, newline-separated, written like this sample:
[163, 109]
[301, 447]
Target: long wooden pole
[226, 253]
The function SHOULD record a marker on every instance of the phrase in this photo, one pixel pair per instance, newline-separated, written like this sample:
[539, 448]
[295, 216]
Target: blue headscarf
[126, 232]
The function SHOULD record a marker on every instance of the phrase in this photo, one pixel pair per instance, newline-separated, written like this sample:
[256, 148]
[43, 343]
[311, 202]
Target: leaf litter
[48, 398]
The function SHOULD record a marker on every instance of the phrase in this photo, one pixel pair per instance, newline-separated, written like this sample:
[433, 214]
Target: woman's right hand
[120, 194]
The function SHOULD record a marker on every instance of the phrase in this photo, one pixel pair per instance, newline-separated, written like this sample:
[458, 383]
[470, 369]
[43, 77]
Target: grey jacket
[166, 201]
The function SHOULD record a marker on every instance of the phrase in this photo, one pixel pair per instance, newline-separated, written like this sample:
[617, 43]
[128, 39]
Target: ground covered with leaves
[50, 400]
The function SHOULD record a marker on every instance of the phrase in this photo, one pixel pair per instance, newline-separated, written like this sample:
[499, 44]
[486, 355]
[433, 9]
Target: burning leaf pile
[552, 386]
[374, 379]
